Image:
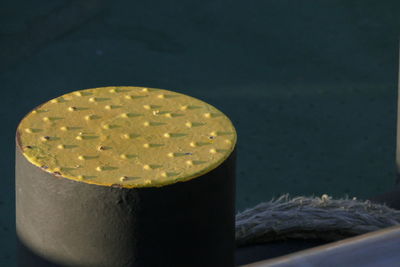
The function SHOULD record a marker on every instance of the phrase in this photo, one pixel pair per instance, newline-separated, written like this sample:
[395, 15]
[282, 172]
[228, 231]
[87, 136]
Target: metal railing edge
[379, 248]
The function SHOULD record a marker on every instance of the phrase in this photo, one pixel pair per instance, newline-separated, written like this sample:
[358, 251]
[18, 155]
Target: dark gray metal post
[61, 222]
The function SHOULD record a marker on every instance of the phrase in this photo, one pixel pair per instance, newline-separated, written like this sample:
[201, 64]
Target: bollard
[125, 176]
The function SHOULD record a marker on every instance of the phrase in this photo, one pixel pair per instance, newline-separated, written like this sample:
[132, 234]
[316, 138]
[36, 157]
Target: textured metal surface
[131, 136]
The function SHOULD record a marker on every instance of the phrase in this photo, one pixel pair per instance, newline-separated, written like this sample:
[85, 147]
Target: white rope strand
[311, 218]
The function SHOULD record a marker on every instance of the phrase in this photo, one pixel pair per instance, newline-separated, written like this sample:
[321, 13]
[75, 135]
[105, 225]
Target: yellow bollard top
[127, 136]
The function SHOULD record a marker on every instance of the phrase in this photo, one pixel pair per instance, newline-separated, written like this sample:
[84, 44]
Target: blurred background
[311, 86]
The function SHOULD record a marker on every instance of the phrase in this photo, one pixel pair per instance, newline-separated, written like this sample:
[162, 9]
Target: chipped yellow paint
[131, 136]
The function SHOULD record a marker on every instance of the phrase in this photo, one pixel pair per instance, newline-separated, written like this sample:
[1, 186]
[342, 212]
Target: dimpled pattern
[126, 136]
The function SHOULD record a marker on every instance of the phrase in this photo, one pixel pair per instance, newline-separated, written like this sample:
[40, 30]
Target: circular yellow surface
[131, 136]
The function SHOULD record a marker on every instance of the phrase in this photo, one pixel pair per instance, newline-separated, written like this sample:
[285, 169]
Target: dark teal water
[309, 85]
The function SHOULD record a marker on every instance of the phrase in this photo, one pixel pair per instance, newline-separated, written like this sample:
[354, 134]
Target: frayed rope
[311, 218]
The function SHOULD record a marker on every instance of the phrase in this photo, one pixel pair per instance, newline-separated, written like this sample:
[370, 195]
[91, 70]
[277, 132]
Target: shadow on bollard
[27, 258]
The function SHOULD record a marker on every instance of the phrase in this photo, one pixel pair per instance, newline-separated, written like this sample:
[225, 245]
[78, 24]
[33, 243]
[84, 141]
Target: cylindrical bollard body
[117, 192]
